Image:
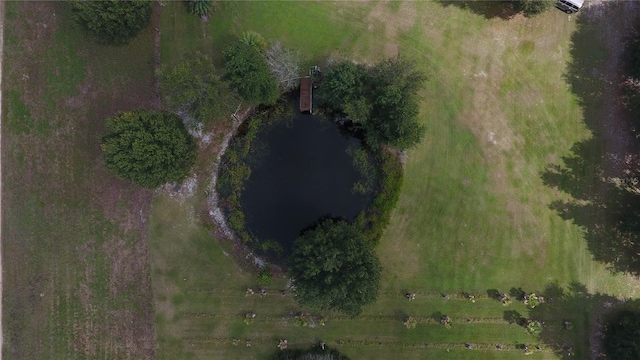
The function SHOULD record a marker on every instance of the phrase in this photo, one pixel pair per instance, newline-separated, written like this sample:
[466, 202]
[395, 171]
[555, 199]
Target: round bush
[112, 22]
[148, 147]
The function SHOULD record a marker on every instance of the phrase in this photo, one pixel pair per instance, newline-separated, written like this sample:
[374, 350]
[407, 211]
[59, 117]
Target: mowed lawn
[473, 215]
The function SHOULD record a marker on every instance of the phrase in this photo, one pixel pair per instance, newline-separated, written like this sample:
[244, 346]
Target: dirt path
[1, 55]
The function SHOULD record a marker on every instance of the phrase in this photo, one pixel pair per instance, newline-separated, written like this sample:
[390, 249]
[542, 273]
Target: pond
[304, 173]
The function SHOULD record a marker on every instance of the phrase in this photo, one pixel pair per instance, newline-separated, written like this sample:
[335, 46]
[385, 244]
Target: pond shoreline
[385, 164]
[244, 255]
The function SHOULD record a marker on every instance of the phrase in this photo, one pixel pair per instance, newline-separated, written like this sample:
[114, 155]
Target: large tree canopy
[192, 87]
[334, 268]
[248, 72]
[395, 105]
[344, 84]
[148, 147]
[382, 99]
[112, 22]
[622, 336]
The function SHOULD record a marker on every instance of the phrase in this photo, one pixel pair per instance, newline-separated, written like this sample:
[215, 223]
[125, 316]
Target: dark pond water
[306, 173]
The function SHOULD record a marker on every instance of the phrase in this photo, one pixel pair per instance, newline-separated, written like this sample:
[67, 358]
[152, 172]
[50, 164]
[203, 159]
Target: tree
[191, 87]
[248, 72]
[382, 99]
[148, 147]
[395, 105]
[344, 84]
[621, 336]
[200, 8]
[333, 268]
[284, 65]
[254, 39]
[112, 22]
[534, 7]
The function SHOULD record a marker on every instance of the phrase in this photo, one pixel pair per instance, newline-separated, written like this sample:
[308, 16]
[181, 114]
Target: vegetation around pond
[389, 175]
[380, 170]
[235, 168]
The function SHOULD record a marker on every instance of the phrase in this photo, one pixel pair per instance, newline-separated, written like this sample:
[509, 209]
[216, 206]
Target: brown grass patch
[90, 293]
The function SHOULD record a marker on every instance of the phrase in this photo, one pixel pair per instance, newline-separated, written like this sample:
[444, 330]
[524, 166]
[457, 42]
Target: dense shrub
[382, 100]
[112, 22]
[200, 8]
[248, 72]
[192, 87]
[343, 88]
[148, 147]
[532, 8]
[332, 267]
[374, 220]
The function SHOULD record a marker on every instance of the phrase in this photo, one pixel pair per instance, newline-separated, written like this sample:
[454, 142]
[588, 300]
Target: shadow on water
[489, 9]
[304, 174]
[601, 174]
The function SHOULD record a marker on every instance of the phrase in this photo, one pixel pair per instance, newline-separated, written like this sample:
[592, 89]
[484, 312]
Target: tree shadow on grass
[489, 9]
[436, 316]
[602, 173]
[514, 317]
[517, 293]
[493, 294]
[570, 319]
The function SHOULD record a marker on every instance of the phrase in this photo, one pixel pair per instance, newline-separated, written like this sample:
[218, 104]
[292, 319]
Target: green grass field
[474, 214]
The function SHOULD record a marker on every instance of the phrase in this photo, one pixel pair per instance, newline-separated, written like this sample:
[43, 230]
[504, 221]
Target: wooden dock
[306, 92]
